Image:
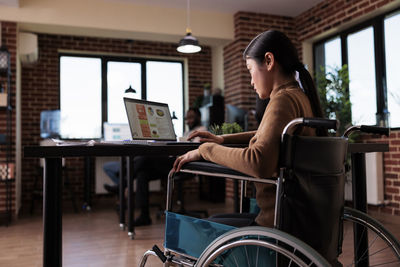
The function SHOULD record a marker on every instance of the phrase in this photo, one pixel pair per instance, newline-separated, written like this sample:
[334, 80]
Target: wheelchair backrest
[312, 192]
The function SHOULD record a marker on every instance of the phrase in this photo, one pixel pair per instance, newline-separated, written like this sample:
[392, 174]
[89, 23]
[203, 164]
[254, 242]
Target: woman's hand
[206, 137]
[193, 155]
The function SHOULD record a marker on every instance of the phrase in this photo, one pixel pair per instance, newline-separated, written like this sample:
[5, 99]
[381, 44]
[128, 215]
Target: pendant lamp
[130, 90]
[189, 43]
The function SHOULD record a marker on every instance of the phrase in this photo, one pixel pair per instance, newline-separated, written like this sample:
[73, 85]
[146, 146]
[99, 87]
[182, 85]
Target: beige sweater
[260, 158]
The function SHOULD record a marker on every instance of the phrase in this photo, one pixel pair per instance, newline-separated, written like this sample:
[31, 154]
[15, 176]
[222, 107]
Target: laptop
[149, 123]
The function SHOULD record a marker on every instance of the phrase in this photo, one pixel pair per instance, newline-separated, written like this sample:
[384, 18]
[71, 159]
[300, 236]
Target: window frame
[377, 24]
[119, 58]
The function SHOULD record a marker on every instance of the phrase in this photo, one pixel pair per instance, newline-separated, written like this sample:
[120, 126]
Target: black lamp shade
[174, 117]
[130, 90]
[188, 44]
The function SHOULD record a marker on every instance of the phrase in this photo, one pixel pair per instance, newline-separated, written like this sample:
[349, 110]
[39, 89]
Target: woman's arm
[260, 159]
[238, 138]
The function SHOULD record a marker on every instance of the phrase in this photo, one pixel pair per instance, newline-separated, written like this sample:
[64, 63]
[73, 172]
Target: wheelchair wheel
[259, 246]
[381, 247]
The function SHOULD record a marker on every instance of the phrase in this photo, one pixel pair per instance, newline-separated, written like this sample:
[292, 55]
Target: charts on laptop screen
[149, 120]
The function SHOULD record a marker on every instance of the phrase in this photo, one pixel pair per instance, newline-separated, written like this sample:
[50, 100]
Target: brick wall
[8, 37]
[330, 14]
[391, 160]
[392, 174]
[40, 89]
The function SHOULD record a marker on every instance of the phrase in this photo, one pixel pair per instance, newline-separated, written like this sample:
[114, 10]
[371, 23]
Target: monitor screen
[50, 124]
[238, 115]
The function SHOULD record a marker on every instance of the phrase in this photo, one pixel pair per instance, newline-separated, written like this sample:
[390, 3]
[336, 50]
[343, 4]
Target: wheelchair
[311, 222]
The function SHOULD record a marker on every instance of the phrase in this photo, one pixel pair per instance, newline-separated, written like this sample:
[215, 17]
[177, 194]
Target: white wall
[119, 19]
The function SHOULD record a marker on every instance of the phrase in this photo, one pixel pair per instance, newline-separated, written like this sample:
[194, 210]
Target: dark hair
[196, 111]
[286, 55]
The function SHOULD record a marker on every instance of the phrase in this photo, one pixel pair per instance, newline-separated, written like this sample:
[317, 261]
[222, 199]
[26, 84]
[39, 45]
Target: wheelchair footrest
[159, 253]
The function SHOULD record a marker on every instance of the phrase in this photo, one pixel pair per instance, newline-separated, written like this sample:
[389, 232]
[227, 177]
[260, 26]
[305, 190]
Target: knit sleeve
[260, 158]
[238, 138]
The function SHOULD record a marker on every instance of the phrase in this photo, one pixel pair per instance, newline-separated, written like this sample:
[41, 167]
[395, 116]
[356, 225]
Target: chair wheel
[86, 207]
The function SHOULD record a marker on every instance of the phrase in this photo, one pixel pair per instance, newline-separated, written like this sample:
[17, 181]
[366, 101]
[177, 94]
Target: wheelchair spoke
[235, 260]
[376, 252]
[382, 249]
[247, 256]
[294, 252]
[258, 250]
[362, 237]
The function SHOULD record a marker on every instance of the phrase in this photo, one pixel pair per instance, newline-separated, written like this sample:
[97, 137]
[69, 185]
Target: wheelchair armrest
[210, 167]
[214, 170]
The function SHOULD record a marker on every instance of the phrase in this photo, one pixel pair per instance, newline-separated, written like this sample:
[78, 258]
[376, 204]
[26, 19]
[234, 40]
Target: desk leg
[87, 205]
[360, 203]
[236, 195]
[52, 213]
[122, 193]
[131, 201]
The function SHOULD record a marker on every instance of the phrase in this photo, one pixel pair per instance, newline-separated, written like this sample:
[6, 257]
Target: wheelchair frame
[219, 245]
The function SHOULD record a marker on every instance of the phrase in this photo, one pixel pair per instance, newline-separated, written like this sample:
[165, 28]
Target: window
[360, 47]
[328, 56]
[392, 52]
[121, 75]
[161, 88]
[371, 51]
[92, 90]
[80, 97]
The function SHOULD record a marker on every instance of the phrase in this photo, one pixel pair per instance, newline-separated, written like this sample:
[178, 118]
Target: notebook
[149, 123]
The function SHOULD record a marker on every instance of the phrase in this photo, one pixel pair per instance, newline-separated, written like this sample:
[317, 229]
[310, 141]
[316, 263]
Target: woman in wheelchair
[272, 61]
[301, 223]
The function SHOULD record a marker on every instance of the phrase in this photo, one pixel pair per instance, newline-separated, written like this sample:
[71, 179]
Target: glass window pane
[360, 47]
[80, 97]
[121, 75]
[328, 55]
[392, 45]
[333, 54]
[165, 84]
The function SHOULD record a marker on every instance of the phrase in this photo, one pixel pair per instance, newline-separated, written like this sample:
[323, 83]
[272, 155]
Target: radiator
[375, 181]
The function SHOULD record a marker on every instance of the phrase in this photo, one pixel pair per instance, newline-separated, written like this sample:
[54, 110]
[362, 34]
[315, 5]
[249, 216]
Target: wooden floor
[95, 239]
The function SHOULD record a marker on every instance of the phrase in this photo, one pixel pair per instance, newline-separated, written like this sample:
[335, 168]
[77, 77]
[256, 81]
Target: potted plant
[226, 128]
[333, 90]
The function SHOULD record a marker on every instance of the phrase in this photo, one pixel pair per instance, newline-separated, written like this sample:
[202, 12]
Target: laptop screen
[149, 120]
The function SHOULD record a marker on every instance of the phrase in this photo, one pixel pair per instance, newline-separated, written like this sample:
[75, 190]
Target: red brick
[392, 190]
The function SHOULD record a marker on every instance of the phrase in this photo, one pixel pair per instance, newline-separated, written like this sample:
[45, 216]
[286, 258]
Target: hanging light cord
[188, 30]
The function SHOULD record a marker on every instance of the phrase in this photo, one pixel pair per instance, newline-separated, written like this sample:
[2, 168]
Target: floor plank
[95, 239]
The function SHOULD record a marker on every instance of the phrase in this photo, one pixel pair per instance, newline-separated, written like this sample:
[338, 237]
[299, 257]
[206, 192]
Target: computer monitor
[50, 124]
[238, 115]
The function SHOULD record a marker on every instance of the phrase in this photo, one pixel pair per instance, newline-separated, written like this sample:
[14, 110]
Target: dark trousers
[146, 169]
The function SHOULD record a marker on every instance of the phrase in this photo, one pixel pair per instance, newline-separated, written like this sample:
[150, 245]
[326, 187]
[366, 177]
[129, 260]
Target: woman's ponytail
[311, 91]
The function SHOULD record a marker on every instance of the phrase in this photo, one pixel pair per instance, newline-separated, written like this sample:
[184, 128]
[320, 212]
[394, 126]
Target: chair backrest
[312, 194]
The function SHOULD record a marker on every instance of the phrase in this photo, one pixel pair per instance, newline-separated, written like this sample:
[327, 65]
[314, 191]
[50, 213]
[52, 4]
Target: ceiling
[9, 2]
[289, 8]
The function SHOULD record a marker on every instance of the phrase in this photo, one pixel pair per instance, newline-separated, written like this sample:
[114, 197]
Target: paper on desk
[59, 142]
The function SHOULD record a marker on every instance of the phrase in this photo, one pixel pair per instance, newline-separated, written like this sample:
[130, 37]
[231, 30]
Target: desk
[359, 192]
[52, 189]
